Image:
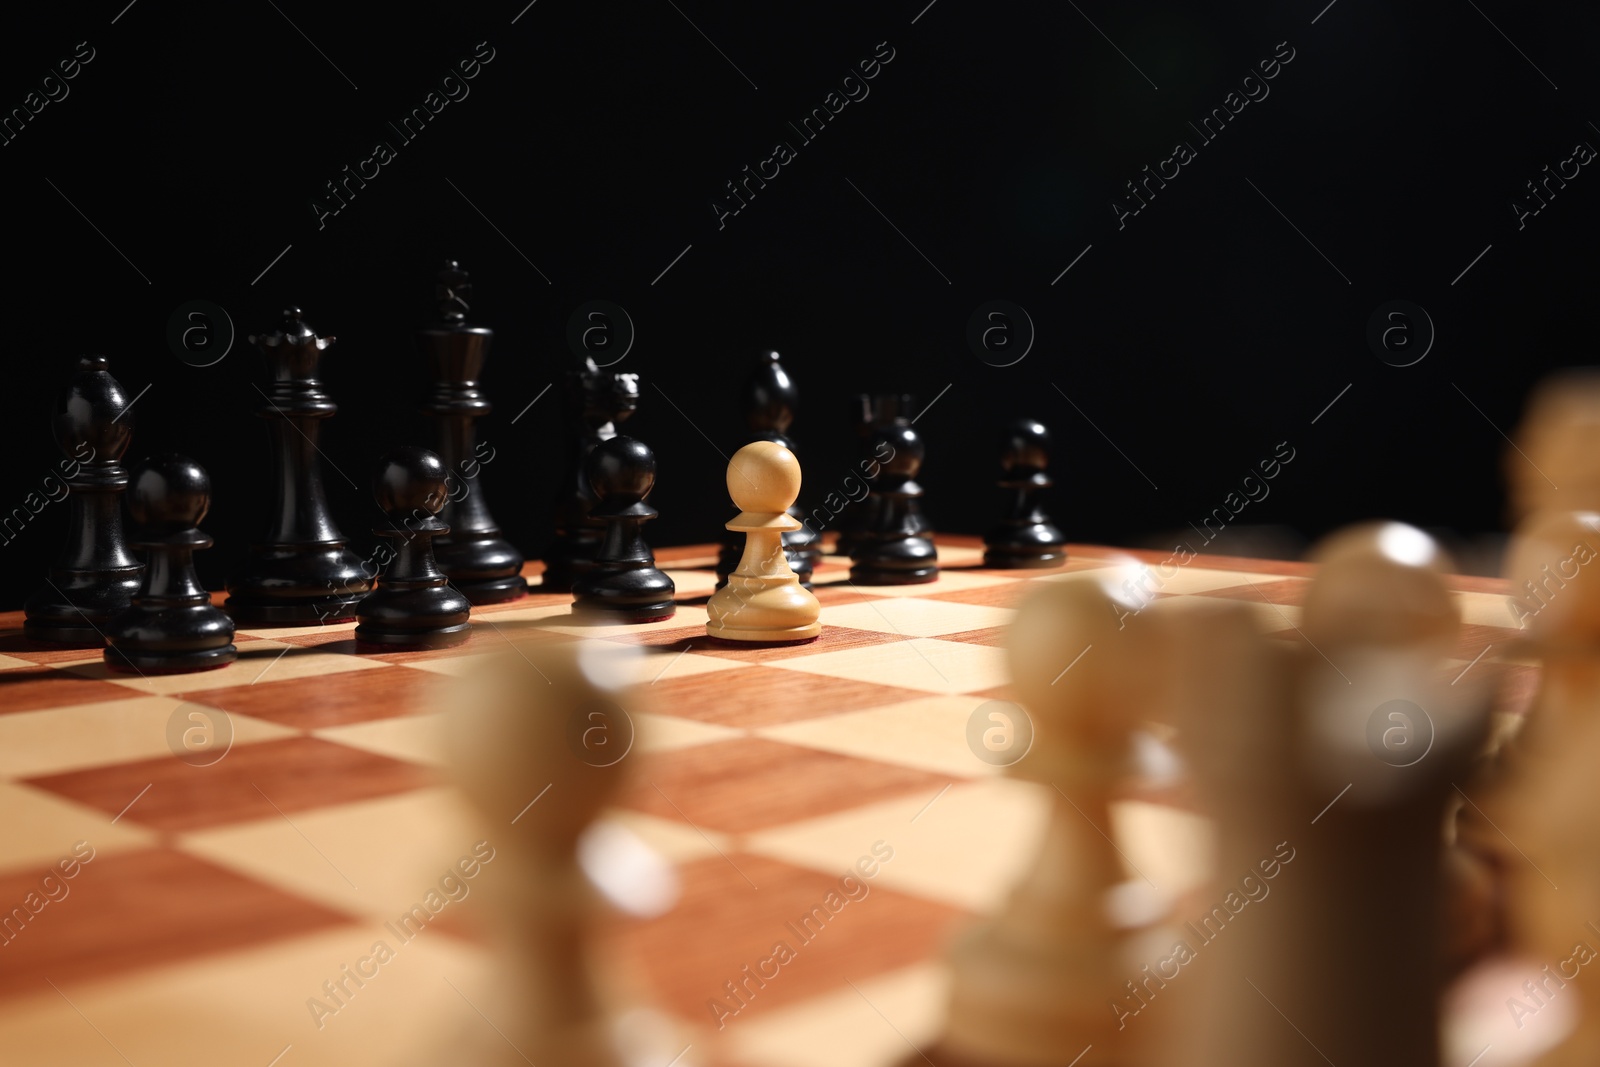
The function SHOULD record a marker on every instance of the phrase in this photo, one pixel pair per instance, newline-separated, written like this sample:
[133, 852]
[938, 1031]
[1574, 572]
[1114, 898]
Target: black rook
[94, 578]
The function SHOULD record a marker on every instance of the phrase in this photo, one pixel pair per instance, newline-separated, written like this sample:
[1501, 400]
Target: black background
[983, 162]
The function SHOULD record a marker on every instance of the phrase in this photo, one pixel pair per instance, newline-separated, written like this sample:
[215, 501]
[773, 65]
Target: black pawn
[413, 604]
[624, 583]
[301, 573]
[95, 577]
[473, 555]
[171, 627]
[872, 413]
[895, 551]
[854, 519]
[596, 401]
[1026, 537]
[770, 398]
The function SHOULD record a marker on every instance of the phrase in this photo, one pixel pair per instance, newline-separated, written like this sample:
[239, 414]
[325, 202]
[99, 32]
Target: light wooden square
[923, 663]
[915, 617]
[49, 740]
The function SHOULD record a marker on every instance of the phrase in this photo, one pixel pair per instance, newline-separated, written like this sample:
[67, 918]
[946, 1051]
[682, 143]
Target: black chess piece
[1026, 537]
[171, 627]
[770, 398]
[596, 402]
[301, 573]
[896, 551]
[871, 412]
[474, 555]
[623, 584]
[413, 604]
[95, 576]
[852, 520]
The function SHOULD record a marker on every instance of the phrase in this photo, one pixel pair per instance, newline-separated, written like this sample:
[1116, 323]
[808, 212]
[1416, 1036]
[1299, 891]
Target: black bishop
[95, 576]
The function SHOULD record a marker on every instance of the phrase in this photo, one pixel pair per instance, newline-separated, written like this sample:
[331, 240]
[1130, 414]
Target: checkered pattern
[221, 897]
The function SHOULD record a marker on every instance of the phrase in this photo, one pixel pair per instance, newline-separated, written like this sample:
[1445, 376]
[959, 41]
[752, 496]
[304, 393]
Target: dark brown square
[31, 688]
[138, 910]
[765, 696]
[695, 639]
[329, 700]
[258, 781]
[750, 783]
[881, 931]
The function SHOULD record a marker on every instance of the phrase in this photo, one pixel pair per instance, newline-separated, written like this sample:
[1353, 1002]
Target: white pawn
[1555, 465]
[763, 600]
[1038, 982]
[1555, 600]
[1340, 799]
[537, 741]
[1546, 802]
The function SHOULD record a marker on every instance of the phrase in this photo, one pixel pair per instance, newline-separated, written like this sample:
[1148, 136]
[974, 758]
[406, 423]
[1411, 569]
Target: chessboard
[239, 838]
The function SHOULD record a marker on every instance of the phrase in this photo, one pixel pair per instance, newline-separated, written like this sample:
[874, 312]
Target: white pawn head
[1557, 444]
[1379, 710]
[1381, 584]
[546, 714]
[1082, 662]
[763, 478]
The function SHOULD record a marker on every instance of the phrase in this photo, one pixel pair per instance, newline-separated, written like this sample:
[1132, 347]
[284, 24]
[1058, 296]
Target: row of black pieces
[156, 618]
[302, 572]
[887, 535]
[888, 541]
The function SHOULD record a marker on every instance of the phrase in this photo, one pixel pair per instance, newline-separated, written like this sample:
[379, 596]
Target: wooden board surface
[225, 888]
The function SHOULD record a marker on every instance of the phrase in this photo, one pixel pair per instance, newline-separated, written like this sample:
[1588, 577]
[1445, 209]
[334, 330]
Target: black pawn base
[862, 574]
[170, 639]
[617, 615]
[629, 596]
[1025, 547]
[368, 641]
[395, 618]
[1011, 559]
[304, 613]
[77, 615]
[297, 585]
[911, 561]
[486, 571]
[493, 590]
[186, 663]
